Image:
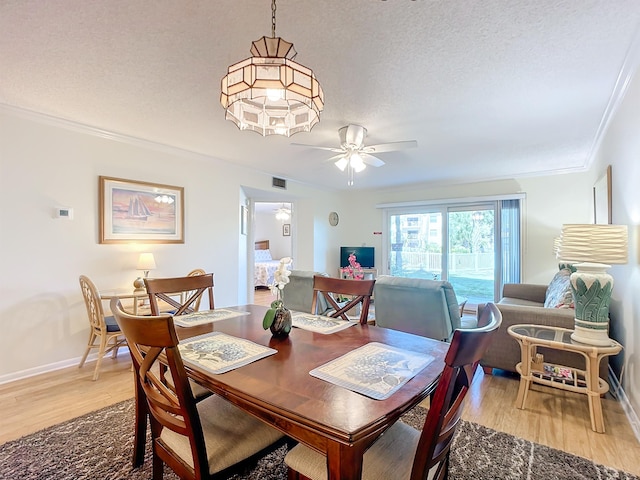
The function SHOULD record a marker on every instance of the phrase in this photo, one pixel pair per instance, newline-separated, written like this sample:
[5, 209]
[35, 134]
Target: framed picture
[286, 229]
[134, 211]
[244, 213]
[602, 199]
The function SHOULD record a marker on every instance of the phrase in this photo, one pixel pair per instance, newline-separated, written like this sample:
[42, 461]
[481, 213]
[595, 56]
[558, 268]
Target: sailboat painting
[140, 211]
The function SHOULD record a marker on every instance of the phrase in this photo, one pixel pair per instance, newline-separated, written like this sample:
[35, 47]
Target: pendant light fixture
[269, 93]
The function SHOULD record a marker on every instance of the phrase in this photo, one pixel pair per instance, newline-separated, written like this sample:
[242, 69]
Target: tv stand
[369, 273]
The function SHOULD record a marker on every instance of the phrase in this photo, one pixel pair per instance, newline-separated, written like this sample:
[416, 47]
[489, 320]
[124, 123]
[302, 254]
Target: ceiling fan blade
[330, 149]
[390, 147]
[371, 160]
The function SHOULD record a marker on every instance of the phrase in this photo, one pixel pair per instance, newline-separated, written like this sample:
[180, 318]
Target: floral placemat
[375, 370]
[206, 316]
[218, 352]
[319, 324]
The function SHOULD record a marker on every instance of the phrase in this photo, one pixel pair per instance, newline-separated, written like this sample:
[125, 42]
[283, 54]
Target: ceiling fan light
[356, 162]
[342, 163]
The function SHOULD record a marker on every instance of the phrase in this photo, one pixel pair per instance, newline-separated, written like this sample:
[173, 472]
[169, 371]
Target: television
[365, 256]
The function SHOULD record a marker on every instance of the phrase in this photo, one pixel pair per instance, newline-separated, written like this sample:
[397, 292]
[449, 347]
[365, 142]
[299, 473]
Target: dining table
[279, 389]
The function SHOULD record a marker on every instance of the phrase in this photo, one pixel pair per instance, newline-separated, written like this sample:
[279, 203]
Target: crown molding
[78, 127]
[628, 69]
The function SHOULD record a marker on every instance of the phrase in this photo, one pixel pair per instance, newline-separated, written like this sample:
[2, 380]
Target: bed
[264, 266]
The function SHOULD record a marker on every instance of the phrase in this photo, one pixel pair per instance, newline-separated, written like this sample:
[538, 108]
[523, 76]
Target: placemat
[319, 324]
[375, 370]
[218, 352]
[206, 316]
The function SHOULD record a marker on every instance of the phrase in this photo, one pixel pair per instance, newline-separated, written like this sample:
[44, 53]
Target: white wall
[46, 163]
[621, 149]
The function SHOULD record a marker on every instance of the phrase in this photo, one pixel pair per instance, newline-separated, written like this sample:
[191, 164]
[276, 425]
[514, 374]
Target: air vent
[279, 183]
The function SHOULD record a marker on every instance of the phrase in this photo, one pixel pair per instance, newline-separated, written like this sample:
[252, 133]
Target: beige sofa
[524, 303]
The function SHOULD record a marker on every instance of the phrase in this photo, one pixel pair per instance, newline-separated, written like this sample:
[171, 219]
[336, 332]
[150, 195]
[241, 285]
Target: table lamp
[591, 249]
[146, 262]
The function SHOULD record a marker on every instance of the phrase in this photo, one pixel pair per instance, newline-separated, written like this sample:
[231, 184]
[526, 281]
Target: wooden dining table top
[279, 389]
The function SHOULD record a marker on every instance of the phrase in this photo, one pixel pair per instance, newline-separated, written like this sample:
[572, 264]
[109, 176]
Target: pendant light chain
[273, 19]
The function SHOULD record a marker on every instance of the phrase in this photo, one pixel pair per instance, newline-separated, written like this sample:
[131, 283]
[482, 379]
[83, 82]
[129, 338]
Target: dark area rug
[98, 446]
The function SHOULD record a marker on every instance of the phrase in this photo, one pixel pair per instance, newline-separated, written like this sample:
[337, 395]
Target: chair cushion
[559, 293]
[112, 325]
[391, 456]
[230, 435]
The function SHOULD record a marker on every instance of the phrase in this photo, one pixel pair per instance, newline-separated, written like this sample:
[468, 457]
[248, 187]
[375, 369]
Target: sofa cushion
[519, 301]
[559, 292]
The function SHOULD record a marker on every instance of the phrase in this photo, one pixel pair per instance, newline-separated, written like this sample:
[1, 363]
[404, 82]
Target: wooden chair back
[166, 289]
[461, 361]
[173, 408]
[93, 303]
[185, 295]
[358, 292]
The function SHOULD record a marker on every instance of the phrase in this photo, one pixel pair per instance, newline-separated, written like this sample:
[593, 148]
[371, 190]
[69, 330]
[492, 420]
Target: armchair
[298, 293]
[424, 307]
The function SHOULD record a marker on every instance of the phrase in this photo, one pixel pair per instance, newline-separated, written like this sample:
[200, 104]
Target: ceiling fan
[354, 155]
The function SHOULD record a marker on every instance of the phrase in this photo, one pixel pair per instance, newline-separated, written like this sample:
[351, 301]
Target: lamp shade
[146, 262]
[594, 243]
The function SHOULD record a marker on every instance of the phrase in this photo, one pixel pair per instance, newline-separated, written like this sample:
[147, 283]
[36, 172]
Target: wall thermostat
[64, 212]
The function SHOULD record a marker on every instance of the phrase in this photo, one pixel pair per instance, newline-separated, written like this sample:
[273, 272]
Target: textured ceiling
[489, 88]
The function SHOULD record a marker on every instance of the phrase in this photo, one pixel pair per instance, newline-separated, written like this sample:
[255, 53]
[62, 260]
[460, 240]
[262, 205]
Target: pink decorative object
[353, 271]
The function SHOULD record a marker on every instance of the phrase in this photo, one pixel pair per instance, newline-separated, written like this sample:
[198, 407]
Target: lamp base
[591, 336]
[138, 283]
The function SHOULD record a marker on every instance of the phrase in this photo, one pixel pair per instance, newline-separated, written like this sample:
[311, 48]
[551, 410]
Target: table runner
[319, 324]
[218, 352]
[375, 370]
[206, 316]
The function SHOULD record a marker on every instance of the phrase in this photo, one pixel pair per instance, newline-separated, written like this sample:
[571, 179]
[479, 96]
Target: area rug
[98, 446]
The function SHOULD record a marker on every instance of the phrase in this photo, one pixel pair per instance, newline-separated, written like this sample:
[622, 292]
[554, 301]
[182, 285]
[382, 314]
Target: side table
[534, 369]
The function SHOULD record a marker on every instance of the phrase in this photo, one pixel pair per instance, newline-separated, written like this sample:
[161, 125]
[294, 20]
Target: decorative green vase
[281, 325]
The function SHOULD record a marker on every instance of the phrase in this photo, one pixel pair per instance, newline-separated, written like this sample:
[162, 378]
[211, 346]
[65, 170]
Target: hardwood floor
[553, 417]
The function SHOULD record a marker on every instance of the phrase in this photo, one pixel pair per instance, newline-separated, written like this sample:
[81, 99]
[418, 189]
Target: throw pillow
[559, 291]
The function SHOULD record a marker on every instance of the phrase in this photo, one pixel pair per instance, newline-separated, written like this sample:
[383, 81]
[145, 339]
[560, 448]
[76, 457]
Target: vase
[281, 325]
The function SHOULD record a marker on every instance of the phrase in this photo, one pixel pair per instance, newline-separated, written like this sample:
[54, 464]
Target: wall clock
[333, 219]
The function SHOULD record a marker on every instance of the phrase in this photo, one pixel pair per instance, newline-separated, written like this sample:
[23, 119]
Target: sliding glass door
[475, 246]
[471, 252]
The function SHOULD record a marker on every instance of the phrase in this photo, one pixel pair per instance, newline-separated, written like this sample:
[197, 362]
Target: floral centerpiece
[354, 270]
[278, 318]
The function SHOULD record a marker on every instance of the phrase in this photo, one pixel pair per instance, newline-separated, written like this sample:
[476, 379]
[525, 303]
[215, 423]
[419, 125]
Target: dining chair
[356, 292]
[104, 332]
[167, 289]
[403, 452]
[185, 295]
[196, 440]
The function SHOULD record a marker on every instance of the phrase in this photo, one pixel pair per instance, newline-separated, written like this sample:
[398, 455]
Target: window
[474, 244]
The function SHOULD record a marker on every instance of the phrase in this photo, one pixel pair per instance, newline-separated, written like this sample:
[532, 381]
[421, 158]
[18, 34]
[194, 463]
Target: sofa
[550, 305]
[415, 305]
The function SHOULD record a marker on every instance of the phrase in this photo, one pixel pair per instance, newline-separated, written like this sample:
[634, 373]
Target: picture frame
[244, 214]
[132, 211]
[286, 230]
[602, 199]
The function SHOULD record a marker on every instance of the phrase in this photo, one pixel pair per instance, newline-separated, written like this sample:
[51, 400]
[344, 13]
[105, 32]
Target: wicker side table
[534, 369]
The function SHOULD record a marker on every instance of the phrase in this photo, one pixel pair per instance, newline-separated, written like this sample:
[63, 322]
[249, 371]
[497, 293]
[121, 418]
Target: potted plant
[278, 317]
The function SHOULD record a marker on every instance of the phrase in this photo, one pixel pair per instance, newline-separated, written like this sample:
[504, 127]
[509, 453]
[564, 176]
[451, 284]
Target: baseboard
[618, 392]
[52, 367]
